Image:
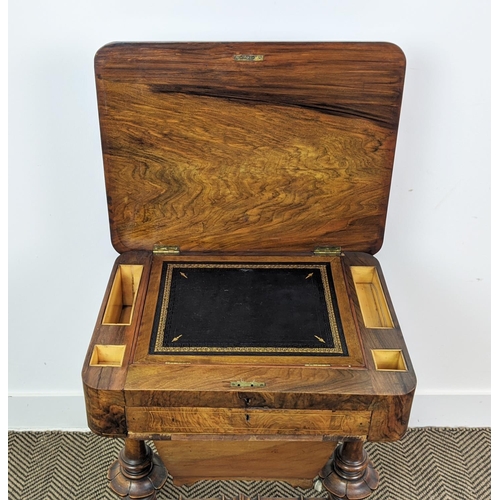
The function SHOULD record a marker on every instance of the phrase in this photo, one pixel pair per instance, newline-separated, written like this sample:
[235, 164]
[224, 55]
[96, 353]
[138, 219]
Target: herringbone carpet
[427, 464]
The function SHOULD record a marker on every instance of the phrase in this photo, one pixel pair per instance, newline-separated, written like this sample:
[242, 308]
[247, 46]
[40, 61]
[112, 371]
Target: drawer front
[247, 421]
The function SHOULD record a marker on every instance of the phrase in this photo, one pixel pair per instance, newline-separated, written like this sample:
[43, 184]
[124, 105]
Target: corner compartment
[371, 297]
[120, 306]
[107, 355]
[389, 360]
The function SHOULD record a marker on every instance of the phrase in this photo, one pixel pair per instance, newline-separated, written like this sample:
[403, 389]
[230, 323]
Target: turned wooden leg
[138, 473]
[349, 473]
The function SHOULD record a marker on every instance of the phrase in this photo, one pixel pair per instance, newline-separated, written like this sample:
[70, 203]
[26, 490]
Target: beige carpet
[427, 464]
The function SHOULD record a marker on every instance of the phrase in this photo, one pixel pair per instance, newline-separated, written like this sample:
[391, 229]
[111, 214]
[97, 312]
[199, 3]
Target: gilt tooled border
[159, 347]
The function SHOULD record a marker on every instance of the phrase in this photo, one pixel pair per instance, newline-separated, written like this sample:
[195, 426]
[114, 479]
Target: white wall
[436, 253]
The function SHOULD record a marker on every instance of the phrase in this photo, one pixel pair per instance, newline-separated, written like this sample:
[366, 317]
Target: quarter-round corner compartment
[120, 306]
[371, 297]
[389, 360]
[107, 355]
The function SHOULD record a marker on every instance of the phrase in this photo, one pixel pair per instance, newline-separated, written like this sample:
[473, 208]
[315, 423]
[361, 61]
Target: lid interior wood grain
[274, 154]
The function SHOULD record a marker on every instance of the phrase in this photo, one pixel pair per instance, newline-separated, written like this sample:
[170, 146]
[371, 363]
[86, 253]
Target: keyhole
[247, 417]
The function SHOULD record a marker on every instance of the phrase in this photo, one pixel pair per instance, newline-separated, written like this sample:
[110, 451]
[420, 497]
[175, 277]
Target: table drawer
[247, 421]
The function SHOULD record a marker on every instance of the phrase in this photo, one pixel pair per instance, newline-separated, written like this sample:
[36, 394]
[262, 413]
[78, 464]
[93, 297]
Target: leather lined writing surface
[274, 309]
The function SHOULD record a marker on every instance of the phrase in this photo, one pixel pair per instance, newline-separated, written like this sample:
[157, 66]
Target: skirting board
[67, 412]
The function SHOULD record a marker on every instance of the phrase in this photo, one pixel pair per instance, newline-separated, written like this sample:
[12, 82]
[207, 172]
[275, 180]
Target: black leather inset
[247, 309]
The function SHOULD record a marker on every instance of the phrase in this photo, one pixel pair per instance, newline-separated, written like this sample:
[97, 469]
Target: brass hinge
[328, 251]
[166, 250]
[241, 383]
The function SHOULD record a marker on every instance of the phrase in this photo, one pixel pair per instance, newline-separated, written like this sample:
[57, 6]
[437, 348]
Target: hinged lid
[248, 147]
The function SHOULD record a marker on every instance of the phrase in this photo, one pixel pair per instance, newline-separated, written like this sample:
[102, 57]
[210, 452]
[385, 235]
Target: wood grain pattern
[103, 385]
[232, 160]
[281, 156]
[190, 461]
[229, 421]
[150, 382]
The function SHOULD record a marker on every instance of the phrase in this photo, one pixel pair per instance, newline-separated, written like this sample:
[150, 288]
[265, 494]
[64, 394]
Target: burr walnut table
[247, 328]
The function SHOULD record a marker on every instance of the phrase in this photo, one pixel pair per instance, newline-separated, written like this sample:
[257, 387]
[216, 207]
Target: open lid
[267, 148]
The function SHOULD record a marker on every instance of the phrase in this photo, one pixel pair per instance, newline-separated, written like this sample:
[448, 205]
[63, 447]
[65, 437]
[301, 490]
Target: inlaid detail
[200, 335]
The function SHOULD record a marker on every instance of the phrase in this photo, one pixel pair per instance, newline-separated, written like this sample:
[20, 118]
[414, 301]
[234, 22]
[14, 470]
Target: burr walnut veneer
[247, 328]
